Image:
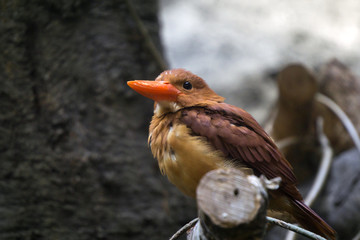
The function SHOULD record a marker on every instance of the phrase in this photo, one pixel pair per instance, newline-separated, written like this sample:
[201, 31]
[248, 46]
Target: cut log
[231, 205]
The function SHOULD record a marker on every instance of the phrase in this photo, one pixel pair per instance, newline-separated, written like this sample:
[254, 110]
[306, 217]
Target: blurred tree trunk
[74, 162]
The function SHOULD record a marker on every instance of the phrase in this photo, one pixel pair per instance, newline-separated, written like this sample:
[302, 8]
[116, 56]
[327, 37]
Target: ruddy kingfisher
[193, 132]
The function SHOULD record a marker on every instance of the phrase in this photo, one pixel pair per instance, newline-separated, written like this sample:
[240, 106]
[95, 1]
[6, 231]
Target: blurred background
[74, 158]
[240, 43]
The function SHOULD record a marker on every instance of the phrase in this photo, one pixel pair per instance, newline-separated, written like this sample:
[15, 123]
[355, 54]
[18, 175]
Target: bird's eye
[187, 85]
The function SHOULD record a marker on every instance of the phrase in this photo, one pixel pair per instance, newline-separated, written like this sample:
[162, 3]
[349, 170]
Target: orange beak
[155, 90]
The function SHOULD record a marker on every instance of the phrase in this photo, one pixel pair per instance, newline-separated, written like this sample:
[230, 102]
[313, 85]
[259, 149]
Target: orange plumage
[193, 131]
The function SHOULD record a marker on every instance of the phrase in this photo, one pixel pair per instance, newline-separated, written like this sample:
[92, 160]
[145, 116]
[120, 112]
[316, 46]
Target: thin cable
[294, 228]
[325, 165]
[323, 170]
[345, 120]
[184, 229]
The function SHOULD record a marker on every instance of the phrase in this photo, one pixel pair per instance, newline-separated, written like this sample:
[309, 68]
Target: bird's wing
[234, 132]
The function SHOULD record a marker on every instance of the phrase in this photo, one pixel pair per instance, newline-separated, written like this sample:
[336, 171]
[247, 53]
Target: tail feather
[311, 221]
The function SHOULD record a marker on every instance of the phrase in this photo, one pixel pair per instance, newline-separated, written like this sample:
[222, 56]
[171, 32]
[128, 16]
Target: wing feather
[256, 154]
[241, 139]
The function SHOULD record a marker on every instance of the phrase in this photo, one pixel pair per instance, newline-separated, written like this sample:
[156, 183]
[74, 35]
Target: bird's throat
[164, 107]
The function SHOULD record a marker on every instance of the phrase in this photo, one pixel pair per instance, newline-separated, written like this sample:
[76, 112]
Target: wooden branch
[231, 205]
[333, 94]
[293, 126]
[149, 43]
[345, 120]
[339, 84]
[297, 88]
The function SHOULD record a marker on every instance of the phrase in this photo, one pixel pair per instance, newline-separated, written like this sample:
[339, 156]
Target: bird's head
[175, 89]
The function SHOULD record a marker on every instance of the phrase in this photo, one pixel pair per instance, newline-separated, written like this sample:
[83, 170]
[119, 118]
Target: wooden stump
[298, 108]
[295, 119]
[231, 205]
[338, 83]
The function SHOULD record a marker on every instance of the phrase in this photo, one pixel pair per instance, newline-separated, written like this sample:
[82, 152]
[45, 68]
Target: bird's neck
[165, 107]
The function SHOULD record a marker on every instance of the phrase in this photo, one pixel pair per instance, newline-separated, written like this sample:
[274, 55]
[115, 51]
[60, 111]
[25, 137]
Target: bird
[193, 131]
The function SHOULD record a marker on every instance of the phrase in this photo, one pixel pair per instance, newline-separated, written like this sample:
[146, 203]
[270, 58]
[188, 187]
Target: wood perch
[295, 117]
[231, 205]
[338, 83]
[337, 101]
[303, 97]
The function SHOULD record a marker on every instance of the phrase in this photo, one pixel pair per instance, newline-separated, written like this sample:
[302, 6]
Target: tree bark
[74, 162]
